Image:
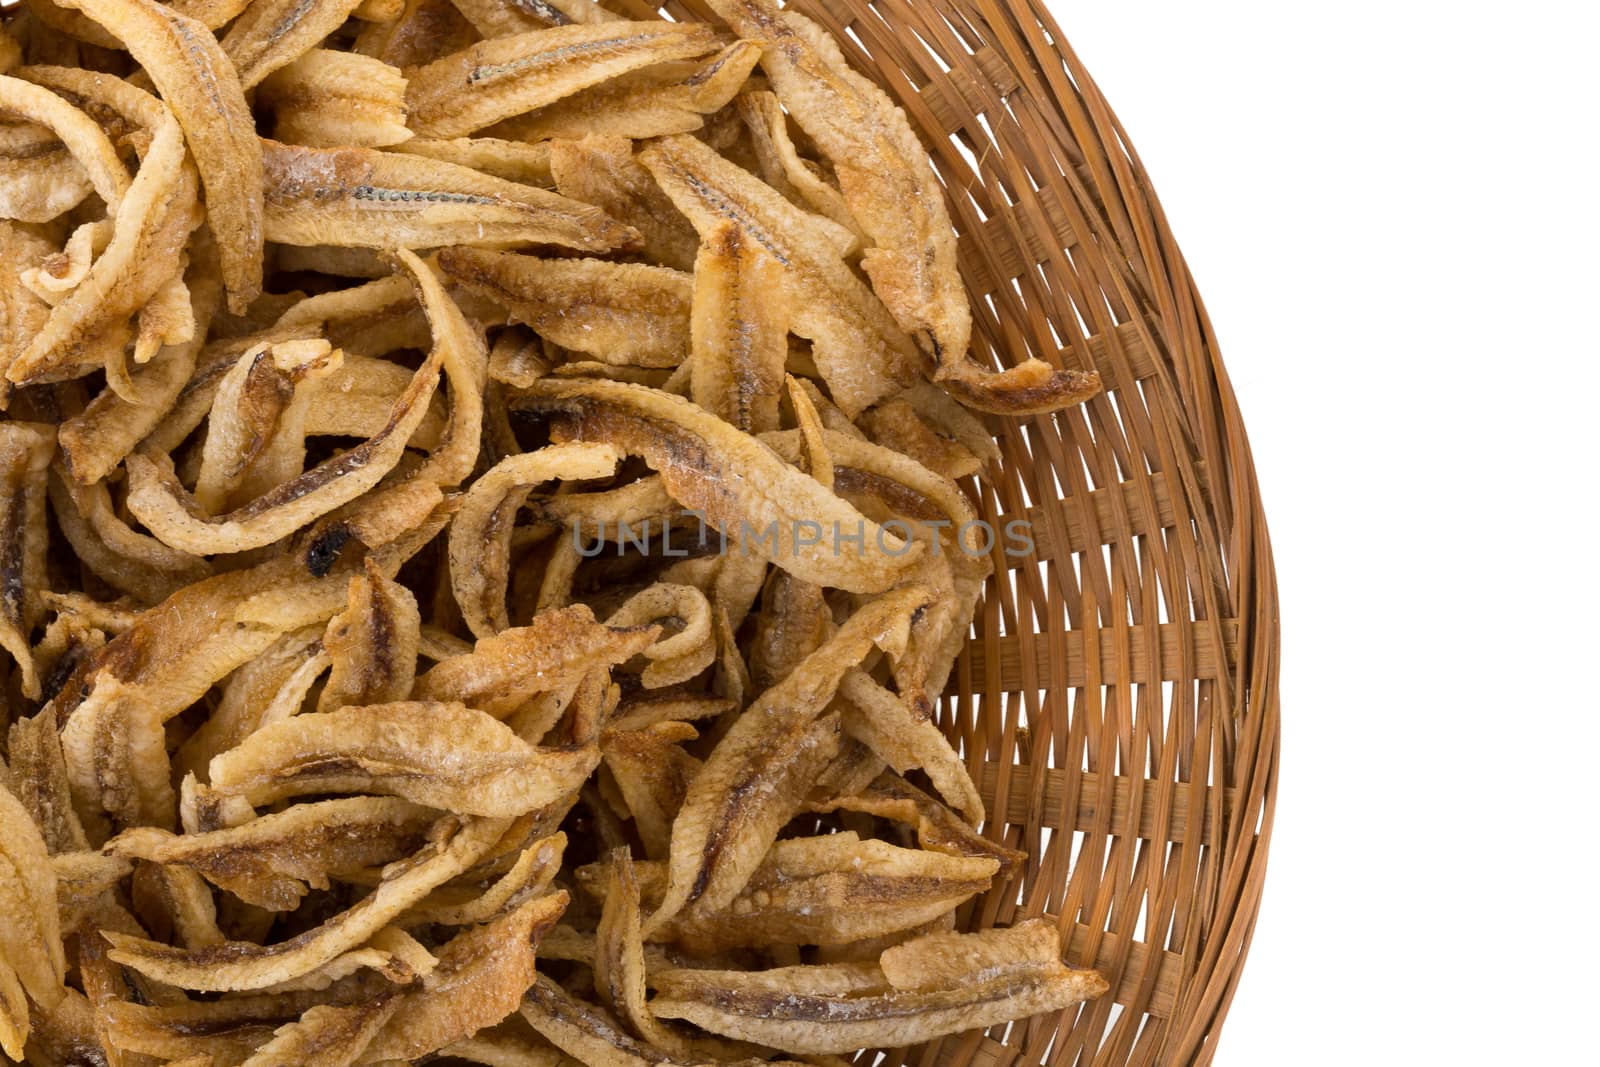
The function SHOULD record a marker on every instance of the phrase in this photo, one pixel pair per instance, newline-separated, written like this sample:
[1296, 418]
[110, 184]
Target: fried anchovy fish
[591, 1035]
[830, 890]
[603, 171]
[97, 439]
[199, 84]
[922, 989]
[115, 751]
[627, 313]
[906, 737]
[888, 183]
[889, 486]
[271, 34]
[482, 975]
[83, 881]
[32, 958]
[444, 755]
[235, 965]
[225, 1031]
[504, 18]
[327, 99]
[60, 127]
[363, 198]
[40, 179]
[938, 829]
[329, 1035]
[467, 900]
[160, 501]
[270, 861]
[656, 101]
[782, 165]
[554, 651]
[466, 369]
[22, 312]
[897, 425]
[739, 330]
[751, 783]
[480, 536]
[151, 226]
[39, 781]
[862, 353]
[739, 485]
[619, 964]
[652, 772]
[271, 686]
[372, 645]
[255, 433]
[26, 449]
[512, 160]
[496, 79]
[686, 645]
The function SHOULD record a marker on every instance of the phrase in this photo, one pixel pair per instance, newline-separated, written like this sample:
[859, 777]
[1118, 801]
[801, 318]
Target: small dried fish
[71, 129]
[783, 167]
[271, 34]
[739, 330]
[327, 98]
[625, 313]
[269, 687]
[890, 188]
[754, 779]
[199, 84]
[512, 160]
[482, 974]
[739, 485]
[652, 772]
[39, 781]
[372, 645]
[830, 890]
[619, 961]
[151, 226]
[160, 501]
[244, 966]
[925, 988]
[602, 171]
[443, 755]
[686, 646]
[363, 198]
[657, 101]
[938, 829]
[467, 900]
[496, 79]
[269, 861]
[421, 32]
[480, 536]
[31, 953]
[553, 652]
[40, 179]
[26, 449]
[329, 1035]
[862, 354]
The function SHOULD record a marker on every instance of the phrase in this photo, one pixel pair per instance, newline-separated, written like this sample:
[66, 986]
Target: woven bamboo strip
[1126, 980]
[1048, 801]
[1168, 665]
[1042, 520]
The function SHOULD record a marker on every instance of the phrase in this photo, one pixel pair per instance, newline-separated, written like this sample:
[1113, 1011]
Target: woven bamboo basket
[1118, 704]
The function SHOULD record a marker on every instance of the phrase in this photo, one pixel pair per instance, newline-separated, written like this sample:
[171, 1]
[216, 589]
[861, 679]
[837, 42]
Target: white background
[1390, 210]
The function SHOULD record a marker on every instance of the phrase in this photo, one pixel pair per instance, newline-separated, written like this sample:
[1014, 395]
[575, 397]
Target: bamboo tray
[1118, 705]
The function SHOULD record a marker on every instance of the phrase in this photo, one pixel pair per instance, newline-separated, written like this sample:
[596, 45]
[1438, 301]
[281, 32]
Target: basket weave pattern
[1118, 705]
